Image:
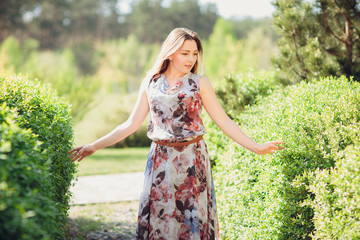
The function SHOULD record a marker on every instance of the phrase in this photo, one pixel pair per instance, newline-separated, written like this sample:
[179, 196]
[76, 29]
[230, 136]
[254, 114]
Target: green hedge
[47, 116]
[268, 197]
[137, 139]
[337, 197]
[27, 210]
[235, 93]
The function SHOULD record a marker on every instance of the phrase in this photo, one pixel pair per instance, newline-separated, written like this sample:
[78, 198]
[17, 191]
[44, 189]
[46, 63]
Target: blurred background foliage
[95, 54]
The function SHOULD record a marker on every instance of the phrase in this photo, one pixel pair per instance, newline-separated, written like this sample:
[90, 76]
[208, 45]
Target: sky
[243, 8]
[229, 8]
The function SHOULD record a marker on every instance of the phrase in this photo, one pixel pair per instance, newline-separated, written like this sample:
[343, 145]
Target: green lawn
[112, 161]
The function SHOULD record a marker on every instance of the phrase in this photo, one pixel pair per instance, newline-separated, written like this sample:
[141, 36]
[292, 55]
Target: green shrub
[27, 210]
[137, 139]
[235, 93]
[337, 197]
[47, 116]
[261, 197]
[238, 91]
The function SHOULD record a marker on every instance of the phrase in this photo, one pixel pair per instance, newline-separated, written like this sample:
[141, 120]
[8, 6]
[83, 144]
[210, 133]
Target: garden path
[107, 188]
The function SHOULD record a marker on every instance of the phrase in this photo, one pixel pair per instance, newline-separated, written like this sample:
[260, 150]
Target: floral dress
[178, 198]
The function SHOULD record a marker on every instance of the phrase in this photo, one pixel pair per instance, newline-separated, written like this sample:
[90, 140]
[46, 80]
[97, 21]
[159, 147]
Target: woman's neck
[173, 76]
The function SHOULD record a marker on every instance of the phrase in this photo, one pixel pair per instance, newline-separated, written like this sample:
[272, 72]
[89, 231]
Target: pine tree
[317, 38]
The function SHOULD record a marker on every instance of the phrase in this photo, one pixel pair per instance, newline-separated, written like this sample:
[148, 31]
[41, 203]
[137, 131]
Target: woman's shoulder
[202, 78]
[198, 77]
[148, 80]
[194, 79]
[204, 84]
[201, 81]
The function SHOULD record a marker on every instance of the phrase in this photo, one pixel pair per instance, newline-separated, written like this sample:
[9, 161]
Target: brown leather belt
[179, 144]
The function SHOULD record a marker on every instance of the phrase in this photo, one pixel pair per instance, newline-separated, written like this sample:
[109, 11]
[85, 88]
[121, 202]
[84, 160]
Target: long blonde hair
[172, 43]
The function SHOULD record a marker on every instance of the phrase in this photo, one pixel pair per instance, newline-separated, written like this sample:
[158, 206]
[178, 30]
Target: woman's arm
[228, 126]
[136, 118]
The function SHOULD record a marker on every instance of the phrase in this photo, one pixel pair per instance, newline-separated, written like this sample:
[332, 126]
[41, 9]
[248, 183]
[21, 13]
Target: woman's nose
[191, 58]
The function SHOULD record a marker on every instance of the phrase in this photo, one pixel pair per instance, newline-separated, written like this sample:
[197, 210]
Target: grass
[118, 218]
[113, 161]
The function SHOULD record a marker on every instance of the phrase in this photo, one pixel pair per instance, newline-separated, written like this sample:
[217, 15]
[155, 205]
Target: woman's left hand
[270, 147]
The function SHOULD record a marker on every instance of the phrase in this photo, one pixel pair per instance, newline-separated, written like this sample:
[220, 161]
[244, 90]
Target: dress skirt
[178, 198]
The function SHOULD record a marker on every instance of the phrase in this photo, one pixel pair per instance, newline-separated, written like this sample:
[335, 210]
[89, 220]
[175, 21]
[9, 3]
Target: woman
[178, 199]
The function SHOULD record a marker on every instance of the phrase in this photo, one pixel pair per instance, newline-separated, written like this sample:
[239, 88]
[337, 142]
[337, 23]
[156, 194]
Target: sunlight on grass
[119, 218]
[113, 161]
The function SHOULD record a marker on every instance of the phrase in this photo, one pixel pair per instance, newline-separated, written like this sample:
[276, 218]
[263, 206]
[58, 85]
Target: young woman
[178, 198]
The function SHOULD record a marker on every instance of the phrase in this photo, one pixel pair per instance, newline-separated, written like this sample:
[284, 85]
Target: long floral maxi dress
[178, 198]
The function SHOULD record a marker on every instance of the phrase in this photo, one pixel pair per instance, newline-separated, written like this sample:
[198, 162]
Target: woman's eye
[186, 54]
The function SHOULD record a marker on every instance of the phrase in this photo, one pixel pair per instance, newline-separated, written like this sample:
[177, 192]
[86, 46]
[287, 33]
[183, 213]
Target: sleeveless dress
[178, 198]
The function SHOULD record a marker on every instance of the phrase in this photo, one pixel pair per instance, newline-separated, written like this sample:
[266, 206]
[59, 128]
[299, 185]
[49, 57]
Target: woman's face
[184, 59]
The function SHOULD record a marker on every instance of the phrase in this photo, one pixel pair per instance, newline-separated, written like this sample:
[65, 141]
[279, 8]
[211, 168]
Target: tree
[317, 38]
[47, 25]
[192, 15]
[12, 13]
[88, 20]
[151, 21]
[57, 23]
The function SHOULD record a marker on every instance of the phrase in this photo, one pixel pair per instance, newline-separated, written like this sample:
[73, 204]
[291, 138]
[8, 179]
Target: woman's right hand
[79, 153]
[270, 147]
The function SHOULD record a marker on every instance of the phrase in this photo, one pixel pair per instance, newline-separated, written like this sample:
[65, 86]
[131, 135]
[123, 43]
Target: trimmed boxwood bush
[264, 197]
[337, 197]
[27, 210]
[47, 116]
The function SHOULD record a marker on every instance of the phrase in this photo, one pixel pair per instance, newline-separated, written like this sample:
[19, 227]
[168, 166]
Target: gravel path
[104, 207]
[107, 188]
